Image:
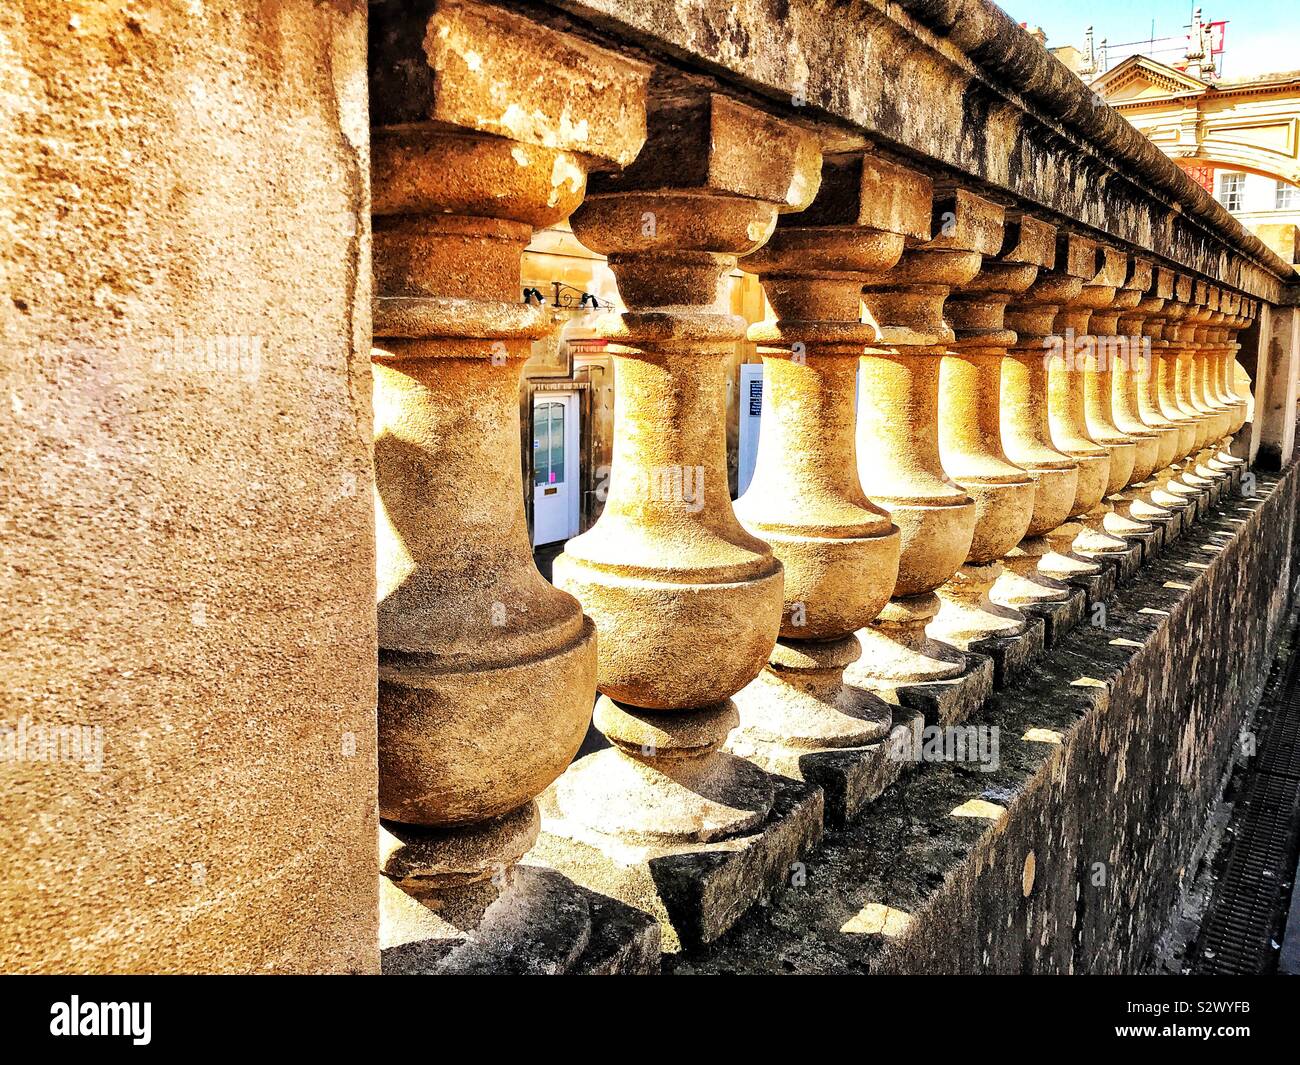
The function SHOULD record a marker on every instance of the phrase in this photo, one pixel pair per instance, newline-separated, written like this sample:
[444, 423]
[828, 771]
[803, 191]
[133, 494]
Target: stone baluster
[1247, 319]
[1177, 333]
[1221, 356]
[1111, 413]
[979, 601]
[1165, 490]
[1132, 458]
[1066, 485]
[1091, 319]
[1190, 329]
[1070, 381]
[1217, 348]
[840, 551]
[1209, 339]
[1221, 339]
[1177, 479]
[687, 602]
[1243, 312]
[1063, 350]
[1195, 332]
[487, 672]
[1112, 350]
[1247, 313]
[1133, 376]
[898, 441]
[1210, 342]
[1142, 380]
[1067, 379]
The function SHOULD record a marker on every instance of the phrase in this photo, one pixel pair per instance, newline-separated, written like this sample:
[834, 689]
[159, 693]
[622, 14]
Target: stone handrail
[960, 83]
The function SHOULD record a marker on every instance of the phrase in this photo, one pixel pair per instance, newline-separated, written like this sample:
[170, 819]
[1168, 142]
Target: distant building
[1238, 137]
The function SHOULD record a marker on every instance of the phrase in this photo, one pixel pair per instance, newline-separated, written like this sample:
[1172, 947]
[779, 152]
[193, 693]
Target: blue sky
[1263, 35]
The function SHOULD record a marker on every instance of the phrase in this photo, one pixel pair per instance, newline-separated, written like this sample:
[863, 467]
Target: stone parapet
[1063, 858]
[960, 82]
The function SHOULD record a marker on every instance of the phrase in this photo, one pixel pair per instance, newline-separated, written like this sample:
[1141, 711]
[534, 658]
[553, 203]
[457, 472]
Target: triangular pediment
[1139, 77]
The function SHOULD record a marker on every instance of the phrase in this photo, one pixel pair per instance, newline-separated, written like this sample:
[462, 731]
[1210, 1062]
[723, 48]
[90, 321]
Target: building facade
[1239, 138]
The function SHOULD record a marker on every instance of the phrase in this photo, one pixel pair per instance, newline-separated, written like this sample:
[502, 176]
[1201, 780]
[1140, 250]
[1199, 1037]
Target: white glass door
[556, 492]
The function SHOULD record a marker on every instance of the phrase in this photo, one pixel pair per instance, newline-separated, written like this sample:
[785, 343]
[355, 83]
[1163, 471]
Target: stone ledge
[1059, 618]
[946, 702]
[947, 96]
[849, 777]
[549, 926]
[1149, 542]
[1125, 564]
[1166, 531]
[1013, 656]
[695, 892]
[1097, 587]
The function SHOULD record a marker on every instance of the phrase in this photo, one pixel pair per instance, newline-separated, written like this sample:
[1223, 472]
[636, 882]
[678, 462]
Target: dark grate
[1280, 753]
[1236, 938]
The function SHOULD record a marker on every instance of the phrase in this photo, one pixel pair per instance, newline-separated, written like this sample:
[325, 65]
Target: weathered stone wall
[188, 564]
[1065, 852]
[1277, 387]
[1081, 874]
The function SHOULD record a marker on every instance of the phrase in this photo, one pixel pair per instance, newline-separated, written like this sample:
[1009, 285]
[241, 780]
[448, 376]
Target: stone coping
[958, 83]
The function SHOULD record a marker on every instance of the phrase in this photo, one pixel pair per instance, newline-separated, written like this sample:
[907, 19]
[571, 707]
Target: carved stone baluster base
[1136, 503]
[1055, 557]
[801, 720]
[459, 903]
[972, 620]
[692, 835]
[896, 649]
[968, 614]
[665, 779]
[1056, 603]
[903, 664]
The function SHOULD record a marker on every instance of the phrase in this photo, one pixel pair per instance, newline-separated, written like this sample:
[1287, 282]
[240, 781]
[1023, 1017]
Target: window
[1287, 197]
[548, 444]
[1231, 190]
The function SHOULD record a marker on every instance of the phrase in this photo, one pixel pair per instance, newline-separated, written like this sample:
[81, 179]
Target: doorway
[556, 491]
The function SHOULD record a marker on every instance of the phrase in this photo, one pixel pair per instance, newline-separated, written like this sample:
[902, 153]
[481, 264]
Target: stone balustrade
[1010, 355]
[975, 418]
[979, 602]
[839, 550]
[487, 672]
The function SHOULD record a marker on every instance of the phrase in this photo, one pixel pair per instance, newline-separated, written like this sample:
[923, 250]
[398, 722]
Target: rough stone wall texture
[1277, 386]
[187, 518]
[1082, 873]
